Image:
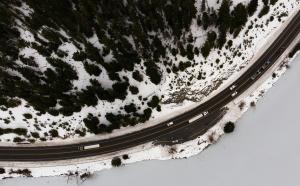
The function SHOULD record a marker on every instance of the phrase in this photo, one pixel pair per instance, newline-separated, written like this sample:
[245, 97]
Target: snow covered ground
[262, 151]
[218, 70]
[148, 151]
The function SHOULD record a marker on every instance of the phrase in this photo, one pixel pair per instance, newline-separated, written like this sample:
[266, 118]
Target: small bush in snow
[116, 162]
[229, 127]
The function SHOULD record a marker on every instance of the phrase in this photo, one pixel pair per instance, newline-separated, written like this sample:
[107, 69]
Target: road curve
[214, 107]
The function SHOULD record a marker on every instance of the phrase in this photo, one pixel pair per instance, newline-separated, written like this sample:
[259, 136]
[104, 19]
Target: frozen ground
[263, 151]
[218, 69]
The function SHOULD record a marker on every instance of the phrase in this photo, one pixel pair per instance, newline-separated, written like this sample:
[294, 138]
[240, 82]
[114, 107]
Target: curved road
[211, 111]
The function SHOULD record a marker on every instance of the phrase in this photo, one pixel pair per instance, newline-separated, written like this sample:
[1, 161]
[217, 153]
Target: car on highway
[266, 64]
[198, 116]
[234, 94]
[86, 147]
[170, 123]
[232, 87]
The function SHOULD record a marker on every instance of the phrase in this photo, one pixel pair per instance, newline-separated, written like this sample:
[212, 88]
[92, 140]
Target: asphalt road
[180, 126]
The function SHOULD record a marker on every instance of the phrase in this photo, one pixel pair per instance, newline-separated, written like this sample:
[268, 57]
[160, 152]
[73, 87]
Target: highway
[200, 119]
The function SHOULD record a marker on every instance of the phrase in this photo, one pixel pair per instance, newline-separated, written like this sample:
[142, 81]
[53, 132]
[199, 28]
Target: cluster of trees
[113, 22]
[117, 120]
[226, 20]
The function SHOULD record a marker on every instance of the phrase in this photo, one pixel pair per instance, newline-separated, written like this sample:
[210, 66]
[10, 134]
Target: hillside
[72, 68]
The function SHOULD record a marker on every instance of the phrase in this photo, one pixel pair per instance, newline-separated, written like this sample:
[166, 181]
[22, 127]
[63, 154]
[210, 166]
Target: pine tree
[252, 6]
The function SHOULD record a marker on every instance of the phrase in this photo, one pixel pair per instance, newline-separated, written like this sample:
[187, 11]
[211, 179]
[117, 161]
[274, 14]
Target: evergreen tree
[252, 6]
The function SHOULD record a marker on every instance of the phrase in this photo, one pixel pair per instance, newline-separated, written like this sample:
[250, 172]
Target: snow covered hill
[76, 68]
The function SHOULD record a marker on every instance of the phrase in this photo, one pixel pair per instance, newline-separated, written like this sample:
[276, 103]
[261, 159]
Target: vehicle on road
[232, 87]
[175, 141]
[234, 94]
[170, 123]
[198, 116]
[266, 64]
[86, 147]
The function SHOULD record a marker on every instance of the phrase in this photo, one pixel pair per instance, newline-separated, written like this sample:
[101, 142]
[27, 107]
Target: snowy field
[262, 151]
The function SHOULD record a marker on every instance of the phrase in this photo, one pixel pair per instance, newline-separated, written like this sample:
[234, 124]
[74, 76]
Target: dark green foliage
[273, 2]
[147, 113]
[252, 7]
[10, 102]
[79, 56]
[130, 108]
[82, 133]
[224, 17]
[18, 131]
[174, 51]
[27, 115]
[154, 102]
[266, 2]
[182, 66]
[91, 122]
[203, 7]
[134, 90]
[125, 157]
[137, 76]
[211, 37]
[222, 37]
[196, 51]
[205, 20]
[53, 133]
[18, 140]
[239, 16]
[120, 90]
[28, 61]
[35, 134]
[229, 127]
[153, 72]
[190, 52]
[206, 48]
[92, 69]
[131, 33]
[116, 162]
[2, 170]
[264, 11]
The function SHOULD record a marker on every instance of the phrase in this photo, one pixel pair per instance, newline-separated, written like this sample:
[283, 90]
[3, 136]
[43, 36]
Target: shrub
[264, 11]
[130, 108]
[229, 127]
[125, 156]
[147, 113]
[206, 48]
[79, 56]
[252, 6]
[18, 139]
[2, 170]
[92, 69]
[182, 66]
[80, 132]
[239, 16]
[137, 76]
[133, 90]
[116, 162]
[273, 2]
[120, 89]
[27, 115]
[35, 134]
[153, 72]
[53, 133]
[19, 131]
[91, 122]
[205, 20]
[190, 52]
[154, 102]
